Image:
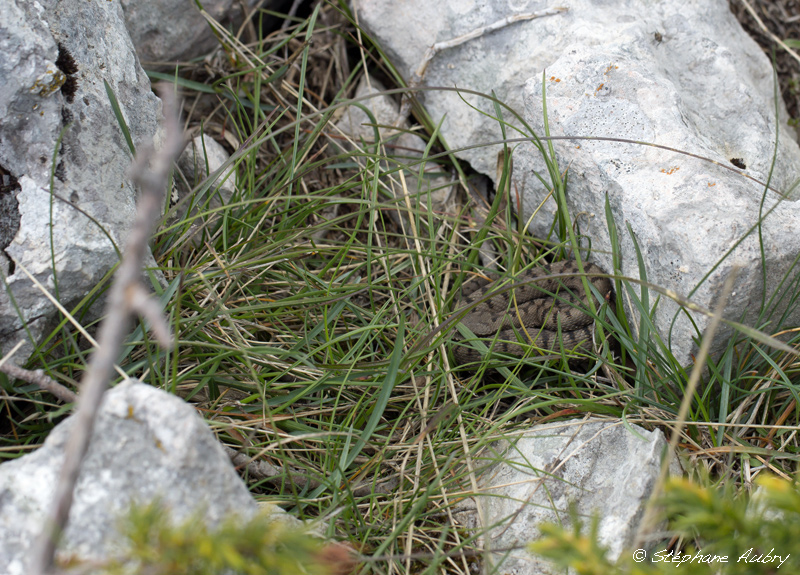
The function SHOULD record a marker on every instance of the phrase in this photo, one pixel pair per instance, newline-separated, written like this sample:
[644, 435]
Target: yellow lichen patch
[49, 82]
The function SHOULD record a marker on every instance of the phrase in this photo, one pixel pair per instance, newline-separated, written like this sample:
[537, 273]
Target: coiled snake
[540, 306]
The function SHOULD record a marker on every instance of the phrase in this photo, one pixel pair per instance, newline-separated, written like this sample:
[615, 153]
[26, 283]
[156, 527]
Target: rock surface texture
[54, 59]
[171, 31]
[204, 182]
[600, 466]
[357, 132]
[679, 75]
[147, 444]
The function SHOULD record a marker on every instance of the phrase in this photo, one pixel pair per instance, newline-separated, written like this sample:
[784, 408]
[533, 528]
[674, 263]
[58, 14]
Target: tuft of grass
[313, 315]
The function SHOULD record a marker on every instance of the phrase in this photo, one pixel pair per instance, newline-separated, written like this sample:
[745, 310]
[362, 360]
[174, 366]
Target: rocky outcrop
[685, 76]
[599, 468]
[147, 446]
[169, 32]
[67, 200]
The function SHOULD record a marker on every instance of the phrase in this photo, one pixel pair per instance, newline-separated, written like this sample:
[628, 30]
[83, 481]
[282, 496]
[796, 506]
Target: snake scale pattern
[540, 306]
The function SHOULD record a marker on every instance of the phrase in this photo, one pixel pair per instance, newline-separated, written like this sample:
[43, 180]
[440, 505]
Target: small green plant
[258, 546]
[723, 533]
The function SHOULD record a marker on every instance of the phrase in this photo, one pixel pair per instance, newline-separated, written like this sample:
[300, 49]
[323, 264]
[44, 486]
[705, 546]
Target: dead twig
[266, 471]
[276, 476]
[38, 377]
[291, 14]
[124, 299]
[768, 32]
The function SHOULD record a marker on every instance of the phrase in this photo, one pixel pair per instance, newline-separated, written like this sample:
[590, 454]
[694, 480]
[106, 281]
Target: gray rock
[501, 61]
[197, 177]
[172, 31]
[45, 90]
[685, 213]
[358, 132]
[147, 444]
[200, 159]
[599, 466]
[685, 76]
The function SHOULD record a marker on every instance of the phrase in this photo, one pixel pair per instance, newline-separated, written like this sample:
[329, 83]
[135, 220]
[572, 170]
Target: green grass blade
[123, 126]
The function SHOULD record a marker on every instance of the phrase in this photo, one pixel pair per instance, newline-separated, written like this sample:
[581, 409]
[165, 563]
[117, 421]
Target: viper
[547, 307]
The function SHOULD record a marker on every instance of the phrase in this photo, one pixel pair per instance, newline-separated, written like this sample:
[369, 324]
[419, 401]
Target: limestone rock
[172, 31]
[147, 444]
[686, 214]
[406, 149]
[54, 59]
[685, 76]
[205, 174]
[599, 466]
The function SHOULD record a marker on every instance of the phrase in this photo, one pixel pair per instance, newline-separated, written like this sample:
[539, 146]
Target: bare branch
[148, 307]
[113, 329]
[39, 378]
[275, 476]
[265, 470]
